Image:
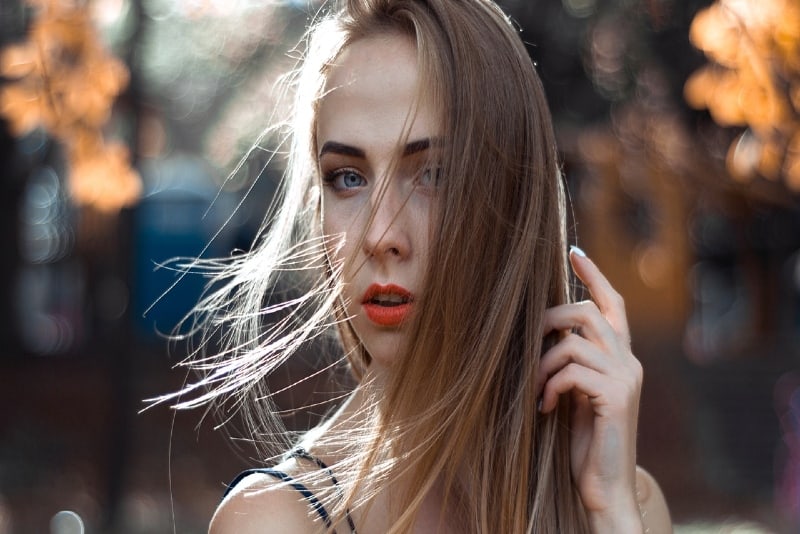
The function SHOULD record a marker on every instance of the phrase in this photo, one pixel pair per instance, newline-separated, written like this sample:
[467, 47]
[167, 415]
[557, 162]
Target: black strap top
[307, 494]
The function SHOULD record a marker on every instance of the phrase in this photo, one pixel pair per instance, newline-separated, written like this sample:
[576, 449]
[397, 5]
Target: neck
[333, 440]
[341, 438]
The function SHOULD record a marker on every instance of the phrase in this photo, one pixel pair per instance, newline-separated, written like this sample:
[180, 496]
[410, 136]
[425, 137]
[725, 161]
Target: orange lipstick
[388, 305]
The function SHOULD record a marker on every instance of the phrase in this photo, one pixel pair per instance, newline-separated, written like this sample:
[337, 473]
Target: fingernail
[575, 250]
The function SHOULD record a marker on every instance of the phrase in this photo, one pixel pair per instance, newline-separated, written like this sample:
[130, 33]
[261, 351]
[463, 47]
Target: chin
[384, 354]
[382, 359]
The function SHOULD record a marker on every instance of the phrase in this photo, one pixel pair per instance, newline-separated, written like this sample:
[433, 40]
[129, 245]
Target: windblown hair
[460, 406]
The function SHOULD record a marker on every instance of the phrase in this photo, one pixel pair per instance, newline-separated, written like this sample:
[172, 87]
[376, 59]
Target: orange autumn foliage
[64, 81]
[753, 81]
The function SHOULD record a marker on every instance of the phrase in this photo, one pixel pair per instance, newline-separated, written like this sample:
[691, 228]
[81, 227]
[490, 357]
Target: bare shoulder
[261, 504]
[653, 505]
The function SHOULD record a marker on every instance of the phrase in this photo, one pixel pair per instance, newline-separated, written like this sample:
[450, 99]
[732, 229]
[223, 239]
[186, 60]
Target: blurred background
[122, 121]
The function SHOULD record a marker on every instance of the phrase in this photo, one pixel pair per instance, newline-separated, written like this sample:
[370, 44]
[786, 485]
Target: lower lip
[387, 315]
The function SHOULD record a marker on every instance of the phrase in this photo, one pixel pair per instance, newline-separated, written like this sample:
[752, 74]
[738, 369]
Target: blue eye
[344, 179]
[430, 177]
[350, 179]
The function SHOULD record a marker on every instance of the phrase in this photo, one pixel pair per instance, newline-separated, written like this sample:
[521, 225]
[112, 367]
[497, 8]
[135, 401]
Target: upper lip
[375, 290]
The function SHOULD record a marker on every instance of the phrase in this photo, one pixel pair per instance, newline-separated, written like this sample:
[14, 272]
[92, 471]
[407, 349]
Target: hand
[593, 363]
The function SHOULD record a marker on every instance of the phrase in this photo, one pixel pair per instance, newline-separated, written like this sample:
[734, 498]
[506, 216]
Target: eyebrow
[423, 144]
[347, 150]
[340, 148]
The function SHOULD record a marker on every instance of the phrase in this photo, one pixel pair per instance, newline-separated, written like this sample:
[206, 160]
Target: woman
[423, 216]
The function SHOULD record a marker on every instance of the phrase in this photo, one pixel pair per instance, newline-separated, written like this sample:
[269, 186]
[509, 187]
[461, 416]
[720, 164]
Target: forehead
[370, 90]
[365, 62]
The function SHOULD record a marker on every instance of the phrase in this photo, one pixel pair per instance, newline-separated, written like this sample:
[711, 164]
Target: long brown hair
[460, 407]
[462, 398]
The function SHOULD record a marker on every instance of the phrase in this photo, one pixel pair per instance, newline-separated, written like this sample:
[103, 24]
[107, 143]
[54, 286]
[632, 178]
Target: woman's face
[378, 185]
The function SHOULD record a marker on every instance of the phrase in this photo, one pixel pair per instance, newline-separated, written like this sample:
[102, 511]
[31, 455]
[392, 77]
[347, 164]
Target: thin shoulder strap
[299, 452]
[297, 486]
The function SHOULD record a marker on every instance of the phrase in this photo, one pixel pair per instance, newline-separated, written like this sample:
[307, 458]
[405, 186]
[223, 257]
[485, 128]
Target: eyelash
[436, 172]
[330, 179]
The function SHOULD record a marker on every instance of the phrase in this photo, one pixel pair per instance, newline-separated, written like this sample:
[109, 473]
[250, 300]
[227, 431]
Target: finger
[581, 411]
[585, 317]
[609, 301]
[581, 379]
[572, 349]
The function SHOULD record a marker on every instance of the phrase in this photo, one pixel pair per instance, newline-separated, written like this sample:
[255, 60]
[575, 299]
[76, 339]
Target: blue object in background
[178, 217]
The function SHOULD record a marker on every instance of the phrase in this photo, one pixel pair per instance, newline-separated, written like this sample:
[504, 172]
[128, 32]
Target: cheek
[424, 214]
[338, 248]
[335, 248]
[341, 223]
[333, 233]
[334, 216]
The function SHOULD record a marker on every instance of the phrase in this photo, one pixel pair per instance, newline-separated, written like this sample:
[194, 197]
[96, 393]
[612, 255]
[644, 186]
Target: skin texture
[595, 366]
[368, 97]
[258, 505]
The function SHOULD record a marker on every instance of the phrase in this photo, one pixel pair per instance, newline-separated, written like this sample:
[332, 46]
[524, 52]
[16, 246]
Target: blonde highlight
[498, 260]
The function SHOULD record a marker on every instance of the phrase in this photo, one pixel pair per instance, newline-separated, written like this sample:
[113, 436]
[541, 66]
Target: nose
[387, 234]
